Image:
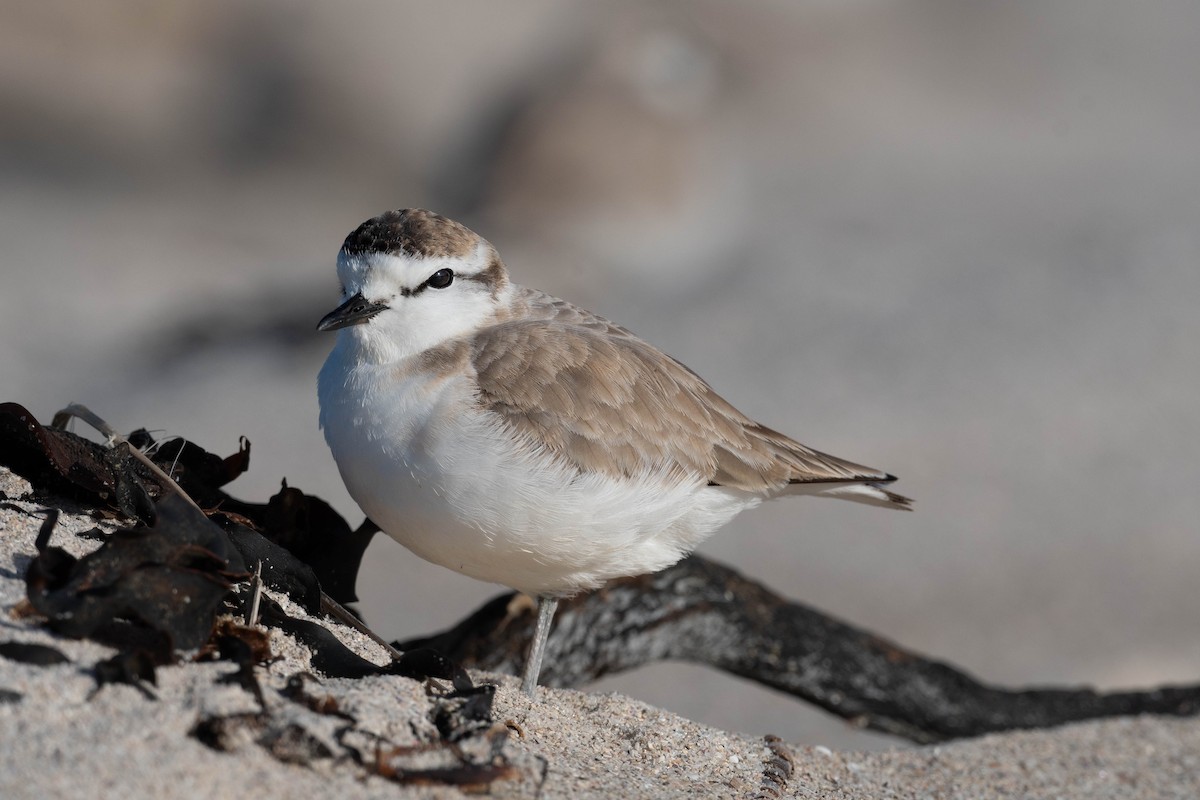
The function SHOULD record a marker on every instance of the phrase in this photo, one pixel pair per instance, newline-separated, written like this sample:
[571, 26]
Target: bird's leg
[537, 648]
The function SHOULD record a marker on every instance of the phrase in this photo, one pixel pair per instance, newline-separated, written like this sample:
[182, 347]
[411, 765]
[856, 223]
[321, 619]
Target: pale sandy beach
[62, 737]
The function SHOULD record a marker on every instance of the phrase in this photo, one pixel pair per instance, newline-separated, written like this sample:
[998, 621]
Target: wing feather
[603, 400]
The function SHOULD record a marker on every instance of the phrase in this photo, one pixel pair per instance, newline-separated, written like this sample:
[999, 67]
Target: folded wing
[602, 400]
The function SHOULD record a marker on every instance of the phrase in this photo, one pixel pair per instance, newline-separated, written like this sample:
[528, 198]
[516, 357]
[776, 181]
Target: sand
[64, 737]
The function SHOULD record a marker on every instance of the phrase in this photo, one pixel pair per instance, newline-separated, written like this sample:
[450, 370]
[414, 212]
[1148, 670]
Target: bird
[519, 439]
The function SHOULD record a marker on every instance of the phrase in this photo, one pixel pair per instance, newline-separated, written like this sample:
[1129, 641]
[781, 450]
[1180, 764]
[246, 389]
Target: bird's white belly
[447, 481]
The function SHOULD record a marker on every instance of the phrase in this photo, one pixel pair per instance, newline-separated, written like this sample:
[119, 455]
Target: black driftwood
[703, 612]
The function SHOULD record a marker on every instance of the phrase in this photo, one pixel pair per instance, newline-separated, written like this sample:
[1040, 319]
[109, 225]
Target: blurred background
[957, 241]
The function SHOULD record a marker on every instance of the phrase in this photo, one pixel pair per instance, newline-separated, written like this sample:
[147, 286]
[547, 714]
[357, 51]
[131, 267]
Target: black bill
[354, 311]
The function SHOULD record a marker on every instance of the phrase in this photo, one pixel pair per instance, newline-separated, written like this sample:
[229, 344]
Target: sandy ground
[63, 737]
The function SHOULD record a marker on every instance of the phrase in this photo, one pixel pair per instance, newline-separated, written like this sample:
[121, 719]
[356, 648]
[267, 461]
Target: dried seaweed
[296, 690]
[468, 754]
[322, 553]
[329, 655]
[198, 472]
[462, 713]
[281, 570]
[58, 462]
[170, 578]
[233, 642]
[398, 765]
[29, 653]
[317, 535]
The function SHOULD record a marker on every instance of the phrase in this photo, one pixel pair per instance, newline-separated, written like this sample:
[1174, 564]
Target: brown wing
[604, 400]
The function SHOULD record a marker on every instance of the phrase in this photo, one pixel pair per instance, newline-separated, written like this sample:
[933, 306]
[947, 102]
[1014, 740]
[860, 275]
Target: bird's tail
[870, 493]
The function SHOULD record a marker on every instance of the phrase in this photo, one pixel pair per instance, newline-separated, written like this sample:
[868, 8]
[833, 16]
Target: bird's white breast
[445, 478]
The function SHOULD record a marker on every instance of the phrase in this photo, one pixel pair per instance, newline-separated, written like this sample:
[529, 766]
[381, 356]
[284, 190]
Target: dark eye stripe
[438, 280]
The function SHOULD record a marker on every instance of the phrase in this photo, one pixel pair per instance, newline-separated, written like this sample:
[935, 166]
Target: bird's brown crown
[413, 232]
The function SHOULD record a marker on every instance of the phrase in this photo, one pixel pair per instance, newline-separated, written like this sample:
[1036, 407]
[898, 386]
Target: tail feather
[870, 493]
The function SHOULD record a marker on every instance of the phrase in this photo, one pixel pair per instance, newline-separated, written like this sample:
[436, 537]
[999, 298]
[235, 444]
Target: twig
[113, 438]
[703, 612]
[256, 588]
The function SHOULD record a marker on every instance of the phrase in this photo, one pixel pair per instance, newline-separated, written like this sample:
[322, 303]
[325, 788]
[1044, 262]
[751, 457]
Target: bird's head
[412, 279]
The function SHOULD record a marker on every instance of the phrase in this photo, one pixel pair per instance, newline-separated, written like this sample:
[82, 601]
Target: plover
[516, 438]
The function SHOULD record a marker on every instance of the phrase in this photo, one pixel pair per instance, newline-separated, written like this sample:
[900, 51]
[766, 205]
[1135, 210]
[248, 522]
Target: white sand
[61, 740]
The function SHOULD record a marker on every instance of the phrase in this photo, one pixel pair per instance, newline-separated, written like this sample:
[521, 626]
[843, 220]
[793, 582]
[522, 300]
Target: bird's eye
[441, 279]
